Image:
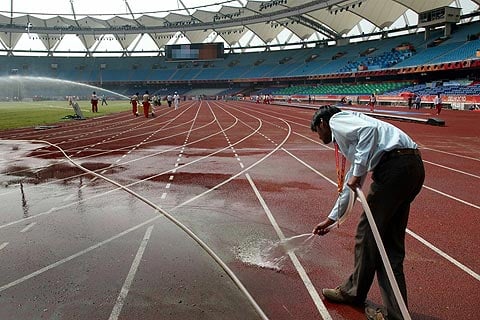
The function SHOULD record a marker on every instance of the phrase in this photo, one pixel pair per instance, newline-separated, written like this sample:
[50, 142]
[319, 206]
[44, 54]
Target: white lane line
[446, 256]
[131, 275]
[425, 242]
[451, 169]
[164, 195]
[76, 255]
[452, 197]
[449, 153]
[168, 186]
[3, 245]
[301, 271]
[28, 227]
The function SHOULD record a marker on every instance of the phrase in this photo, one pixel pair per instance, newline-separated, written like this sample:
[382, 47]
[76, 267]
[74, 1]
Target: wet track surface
[85, 237]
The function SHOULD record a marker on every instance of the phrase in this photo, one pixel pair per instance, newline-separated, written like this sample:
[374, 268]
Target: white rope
[383, 254]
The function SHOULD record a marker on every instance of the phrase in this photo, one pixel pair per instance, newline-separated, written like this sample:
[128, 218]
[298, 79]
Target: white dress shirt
[363, 140]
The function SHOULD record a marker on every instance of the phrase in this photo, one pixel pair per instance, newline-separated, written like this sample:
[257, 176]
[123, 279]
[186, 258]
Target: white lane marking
[449, 153]
[76, 255]
[168, 186]
[446, 256]
[425, 242]
[451, 169]
[117, 308]
[164, 195]
[301, 271]
[3, 245]
[452, 197]
[28, 227]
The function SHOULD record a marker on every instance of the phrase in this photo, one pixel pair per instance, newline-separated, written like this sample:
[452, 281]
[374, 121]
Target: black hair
[324, 113]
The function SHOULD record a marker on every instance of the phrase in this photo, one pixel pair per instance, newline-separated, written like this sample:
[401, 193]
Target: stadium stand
[387, 66]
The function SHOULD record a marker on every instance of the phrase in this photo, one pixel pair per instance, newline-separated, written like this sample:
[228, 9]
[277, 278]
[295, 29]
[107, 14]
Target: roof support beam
[309, 23]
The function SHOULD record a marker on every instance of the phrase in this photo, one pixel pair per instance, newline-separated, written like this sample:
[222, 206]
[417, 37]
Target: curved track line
[110, 151]
[298, 266]
[133, 183]
[158, 209]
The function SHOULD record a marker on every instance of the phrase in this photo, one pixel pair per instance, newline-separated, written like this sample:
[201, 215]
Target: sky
[105, 9]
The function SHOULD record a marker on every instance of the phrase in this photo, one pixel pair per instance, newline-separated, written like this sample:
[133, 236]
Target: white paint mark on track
[117, 308]
[301, 271]
[444, 255]
[28, 227]
[3, 245]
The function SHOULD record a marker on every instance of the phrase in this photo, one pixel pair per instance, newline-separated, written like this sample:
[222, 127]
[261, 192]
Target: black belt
[399, 152]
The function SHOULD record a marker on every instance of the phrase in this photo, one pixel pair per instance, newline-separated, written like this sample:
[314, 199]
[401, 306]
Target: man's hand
[322, 227]
[354, 183]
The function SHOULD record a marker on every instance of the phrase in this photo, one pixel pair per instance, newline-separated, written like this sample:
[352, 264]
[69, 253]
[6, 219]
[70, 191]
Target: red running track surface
[239, 175]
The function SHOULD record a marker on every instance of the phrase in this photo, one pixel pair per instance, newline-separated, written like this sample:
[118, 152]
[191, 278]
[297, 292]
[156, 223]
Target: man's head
[320, 122]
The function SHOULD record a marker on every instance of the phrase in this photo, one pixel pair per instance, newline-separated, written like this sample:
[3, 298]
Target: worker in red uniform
[146, 103]
[94, 102]
[134, 103]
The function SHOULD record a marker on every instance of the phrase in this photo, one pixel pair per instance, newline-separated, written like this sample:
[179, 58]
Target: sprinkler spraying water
[20, 88]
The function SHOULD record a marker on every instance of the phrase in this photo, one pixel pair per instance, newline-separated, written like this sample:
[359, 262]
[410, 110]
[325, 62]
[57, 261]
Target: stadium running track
[78, 244]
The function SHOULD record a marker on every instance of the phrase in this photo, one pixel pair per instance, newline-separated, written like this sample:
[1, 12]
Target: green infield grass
[38, 113]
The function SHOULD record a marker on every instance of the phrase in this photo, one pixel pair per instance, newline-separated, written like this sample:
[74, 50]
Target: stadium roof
[183, 21]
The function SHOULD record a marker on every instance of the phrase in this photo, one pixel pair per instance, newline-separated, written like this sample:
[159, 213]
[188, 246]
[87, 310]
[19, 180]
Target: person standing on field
[94, 102]
[104, 100]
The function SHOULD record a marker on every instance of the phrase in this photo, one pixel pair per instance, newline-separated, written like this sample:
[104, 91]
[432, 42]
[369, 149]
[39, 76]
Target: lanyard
[340, 170]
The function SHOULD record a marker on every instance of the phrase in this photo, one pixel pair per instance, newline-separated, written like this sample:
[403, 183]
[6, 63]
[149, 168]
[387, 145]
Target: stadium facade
[326, 54]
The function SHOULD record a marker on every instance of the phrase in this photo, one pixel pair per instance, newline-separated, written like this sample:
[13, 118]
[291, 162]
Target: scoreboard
[439, 16]
[194, 51]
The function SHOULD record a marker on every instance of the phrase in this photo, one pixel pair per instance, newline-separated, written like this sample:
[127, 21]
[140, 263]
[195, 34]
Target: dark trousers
[396, 182]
